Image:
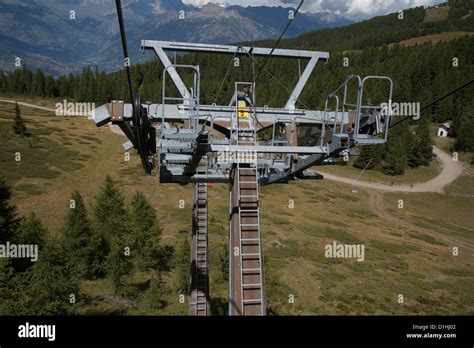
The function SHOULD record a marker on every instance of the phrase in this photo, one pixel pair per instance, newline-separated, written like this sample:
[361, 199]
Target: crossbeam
[160, 48]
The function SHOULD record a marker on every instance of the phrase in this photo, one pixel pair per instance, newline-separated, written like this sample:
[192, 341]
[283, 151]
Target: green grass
[412, 175]
[30, 189]
[59, 157]
[426, 238]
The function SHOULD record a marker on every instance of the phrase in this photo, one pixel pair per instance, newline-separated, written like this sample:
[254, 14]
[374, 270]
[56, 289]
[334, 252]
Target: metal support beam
[291, 103]
[267, 149]
[161, 46]
[178, 82]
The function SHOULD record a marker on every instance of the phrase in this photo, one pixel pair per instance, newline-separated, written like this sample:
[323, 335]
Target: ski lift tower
[191, 143]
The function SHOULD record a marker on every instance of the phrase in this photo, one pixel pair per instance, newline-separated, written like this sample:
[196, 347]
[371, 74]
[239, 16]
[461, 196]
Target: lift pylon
[202, 144]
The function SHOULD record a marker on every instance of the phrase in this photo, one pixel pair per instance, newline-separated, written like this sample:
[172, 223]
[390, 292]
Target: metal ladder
[199, 301]
[250, 250]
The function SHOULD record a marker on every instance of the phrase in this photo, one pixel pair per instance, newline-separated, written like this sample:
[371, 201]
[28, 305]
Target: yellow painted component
[242, 113]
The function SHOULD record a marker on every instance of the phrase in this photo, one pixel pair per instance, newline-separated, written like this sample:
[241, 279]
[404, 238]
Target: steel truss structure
[203, 144]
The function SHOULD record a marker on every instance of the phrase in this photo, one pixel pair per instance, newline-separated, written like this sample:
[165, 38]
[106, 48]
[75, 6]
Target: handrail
[389, 115]
[193, 100]
[359, 106]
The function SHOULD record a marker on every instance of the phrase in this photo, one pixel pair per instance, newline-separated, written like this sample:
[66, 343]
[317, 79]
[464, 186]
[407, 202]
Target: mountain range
[62, 36]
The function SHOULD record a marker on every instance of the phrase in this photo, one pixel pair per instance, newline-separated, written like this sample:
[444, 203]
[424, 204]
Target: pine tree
[51, 286]
[154, 296]
[423, 150]
[8, 291]
[465, 133]
[395, 159]
[30, 231]
[370, 156]
[50, 89]
[8, 217]
[80, 244]
[14, 299]
[410, 145]
[39, 82]
[119, 265]
[19, 126]
[110, 215]
[146, 232]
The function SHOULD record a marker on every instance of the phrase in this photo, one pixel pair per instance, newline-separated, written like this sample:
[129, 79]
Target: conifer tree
[30, 231]
[410, 145]
[146, 232]
[39, 82]
[465, 133]
[8, 217]
[80, 244]
[110, 215]
[52, 287]
[19, 126]
[423, 149]
[119, 265]
[369, 157]
[154, 296]
[395, 159]
[8, 291]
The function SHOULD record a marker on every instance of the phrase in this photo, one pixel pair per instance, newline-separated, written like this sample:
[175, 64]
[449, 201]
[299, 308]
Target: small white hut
[443, 130]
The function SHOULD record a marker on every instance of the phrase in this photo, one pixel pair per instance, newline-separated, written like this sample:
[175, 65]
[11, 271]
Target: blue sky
[354, 9]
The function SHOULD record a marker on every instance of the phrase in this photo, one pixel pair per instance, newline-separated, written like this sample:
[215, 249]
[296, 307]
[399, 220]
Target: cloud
[354, 9]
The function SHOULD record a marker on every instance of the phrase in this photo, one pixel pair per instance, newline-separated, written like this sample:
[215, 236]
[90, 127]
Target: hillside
[383, 30]
[408, 250]
[409, 236]
[45, 35]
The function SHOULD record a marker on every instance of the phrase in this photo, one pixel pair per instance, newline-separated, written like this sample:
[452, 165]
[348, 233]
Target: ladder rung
[257, 285]
[250, 239]
[251, 270]
[251, 254]
[257, 300]
[249, 225]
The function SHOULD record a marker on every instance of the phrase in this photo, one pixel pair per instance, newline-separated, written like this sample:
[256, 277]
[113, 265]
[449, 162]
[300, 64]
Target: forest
[94, 239]
[110, 240]
[420, 73]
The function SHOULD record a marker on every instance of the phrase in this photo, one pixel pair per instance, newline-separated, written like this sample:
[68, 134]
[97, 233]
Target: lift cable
[435, 101]
[118, 4]
[226, 75]
[278, 41]
[272, 76]
[143, 132]
[428, 105]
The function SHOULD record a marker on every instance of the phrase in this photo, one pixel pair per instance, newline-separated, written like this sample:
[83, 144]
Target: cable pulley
[145, 134]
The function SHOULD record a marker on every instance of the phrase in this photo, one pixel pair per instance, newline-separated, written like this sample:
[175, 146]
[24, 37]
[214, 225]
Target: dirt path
[451, 170]
[27, 104]
[376, 204]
